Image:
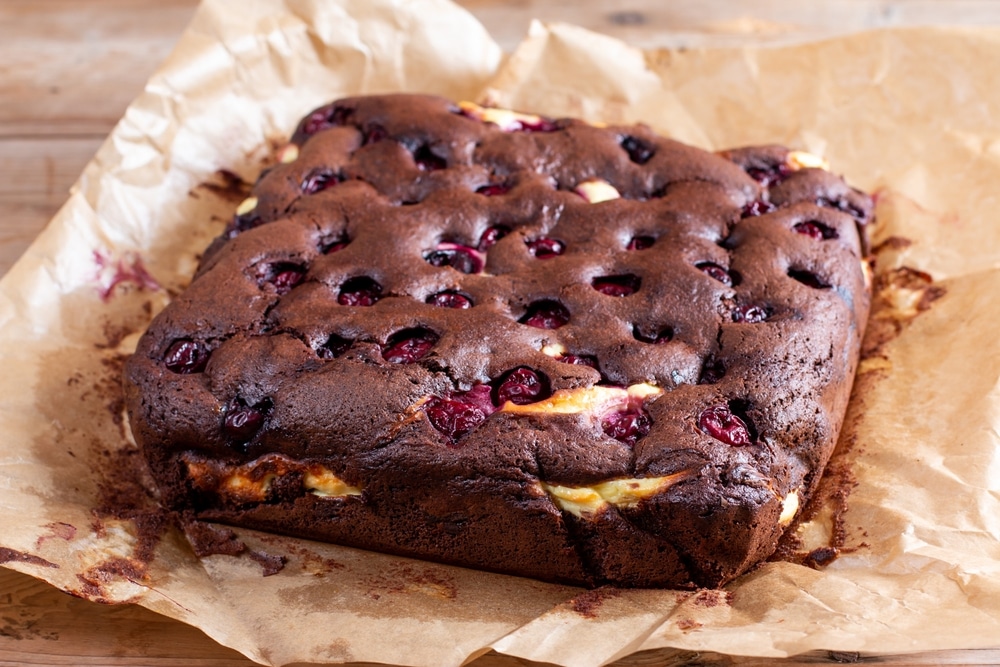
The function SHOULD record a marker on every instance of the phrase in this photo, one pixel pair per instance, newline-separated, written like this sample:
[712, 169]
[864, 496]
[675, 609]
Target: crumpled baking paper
[912, 506]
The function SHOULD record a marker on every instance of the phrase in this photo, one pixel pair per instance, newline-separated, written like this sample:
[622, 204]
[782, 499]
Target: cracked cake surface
[586, 354]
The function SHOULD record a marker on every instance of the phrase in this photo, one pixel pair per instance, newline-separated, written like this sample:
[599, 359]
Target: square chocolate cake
[582, 353]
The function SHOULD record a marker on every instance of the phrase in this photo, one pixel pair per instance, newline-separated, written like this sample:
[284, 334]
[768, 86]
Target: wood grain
[68, 69]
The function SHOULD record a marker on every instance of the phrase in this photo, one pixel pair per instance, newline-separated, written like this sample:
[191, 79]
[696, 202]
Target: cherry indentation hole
[521, 386]
[728, 424]
[459, 257]
[545, 248]
[816, 230]
[186, 356]
[359, 291]
[332, 245]
[334, 347]
[491, 236]
[318, 180]
[661, 335]
[808, 278]
[716, 272]
[373, 134]
[242, 421]
[493, 189]
[450, 299]
[243, 223]
[758, 207]
[639, 151]
[769, 175]
[461, 413]
[623, 285]
[751, 313]
[712, 371]
[323, 119]
[427, 160]
[841, 204]
[640, 243]
[283, 276]
[578, 360]
[627, 426]
[545, 314]
[409, 345]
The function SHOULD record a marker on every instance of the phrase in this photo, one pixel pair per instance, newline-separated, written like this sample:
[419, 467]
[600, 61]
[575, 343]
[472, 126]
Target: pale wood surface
[68, 69]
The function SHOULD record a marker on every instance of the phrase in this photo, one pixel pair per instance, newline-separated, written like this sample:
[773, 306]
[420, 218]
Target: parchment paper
[911, 115]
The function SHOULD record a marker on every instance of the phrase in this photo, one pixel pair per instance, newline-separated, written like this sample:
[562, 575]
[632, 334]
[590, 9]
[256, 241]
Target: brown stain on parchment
[899, 296]
[588, 603]
[91, 461]
[226, 185]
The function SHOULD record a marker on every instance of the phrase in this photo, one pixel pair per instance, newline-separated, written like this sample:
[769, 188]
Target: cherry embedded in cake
[447, 331]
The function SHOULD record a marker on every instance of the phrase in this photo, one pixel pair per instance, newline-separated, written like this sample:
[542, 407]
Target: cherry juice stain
[128, 269]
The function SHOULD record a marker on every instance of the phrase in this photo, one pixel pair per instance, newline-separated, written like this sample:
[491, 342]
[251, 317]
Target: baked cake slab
[581, 353]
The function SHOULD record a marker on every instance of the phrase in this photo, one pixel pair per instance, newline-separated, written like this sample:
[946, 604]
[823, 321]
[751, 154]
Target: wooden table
[68, 69]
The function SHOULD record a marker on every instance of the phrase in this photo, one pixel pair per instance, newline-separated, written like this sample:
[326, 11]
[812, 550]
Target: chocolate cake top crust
[596, 332]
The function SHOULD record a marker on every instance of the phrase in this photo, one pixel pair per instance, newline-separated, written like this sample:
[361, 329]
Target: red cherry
[719, 422]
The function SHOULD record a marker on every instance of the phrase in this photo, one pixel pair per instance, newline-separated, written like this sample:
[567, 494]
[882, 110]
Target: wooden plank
[73, 67]
[35, 178]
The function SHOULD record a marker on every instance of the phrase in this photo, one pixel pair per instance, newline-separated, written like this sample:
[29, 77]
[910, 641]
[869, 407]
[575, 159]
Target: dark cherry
[373, 134]
[578, 360]
[712, 371]
[242, 421]
[426, 160]
[493, 189]
[623, 285]
[491, 236]
[758, 207]
[808, 278]
[186, 356]
[545, 315]
[719, 422]
[359, 291]
[409, 345]
[322, 119]
[627, 426]
[284, 276]
[459, 414]
[639, 151]
[318, 180]
[768, 176]
[334, 347]
[461, 258]
[521, 386]
[450, 299]
[816, 230]
[750, 313]
[663, 335]
[334, 244]
[640, 243]
[546, 248]
[716, 272]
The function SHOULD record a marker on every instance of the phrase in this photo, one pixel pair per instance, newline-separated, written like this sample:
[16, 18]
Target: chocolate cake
[576, 352]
